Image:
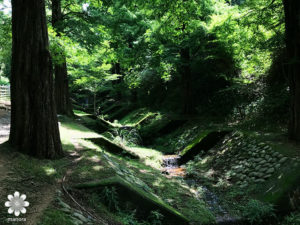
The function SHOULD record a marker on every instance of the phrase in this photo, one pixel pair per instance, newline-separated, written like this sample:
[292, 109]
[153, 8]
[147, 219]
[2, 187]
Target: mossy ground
[88, 162]
[92, 164]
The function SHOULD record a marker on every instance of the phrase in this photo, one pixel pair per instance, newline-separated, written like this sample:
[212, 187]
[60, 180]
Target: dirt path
[4, 161]
[44, 197]
[41, 194]
[4, 125]
[4, 132]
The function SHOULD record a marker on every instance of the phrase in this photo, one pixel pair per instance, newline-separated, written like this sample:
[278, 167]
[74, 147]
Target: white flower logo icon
[16, 204]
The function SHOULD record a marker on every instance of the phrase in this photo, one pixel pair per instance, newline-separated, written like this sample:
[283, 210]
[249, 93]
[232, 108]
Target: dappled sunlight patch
[150, 157]
[95, 159]
[146, 152]
[69, 129]
[81, 113]
[49, 170]
[205, 160]
[209, 173]
[153, 163]
[145, 171]
[90, 145]
[113, 147]
[138, 117]
[98, 168]
[158, 182]
[222, 183]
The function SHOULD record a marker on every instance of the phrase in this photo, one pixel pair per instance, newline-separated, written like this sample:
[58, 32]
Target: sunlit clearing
[98, 168]
[49, 170]
[72, 130]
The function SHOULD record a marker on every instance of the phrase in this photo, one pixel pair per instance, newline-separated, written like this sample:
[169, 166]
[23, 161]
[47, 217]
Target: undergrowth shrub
[110, 197]
[292, 219]
[256, 212]
[155, 218]
[129, 137]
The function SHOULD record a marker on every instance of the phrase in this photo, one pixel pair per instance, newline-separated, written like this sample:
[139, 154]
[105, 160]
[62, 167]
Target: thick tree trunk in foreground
[292, 24]
[62, 97]
[34, 125]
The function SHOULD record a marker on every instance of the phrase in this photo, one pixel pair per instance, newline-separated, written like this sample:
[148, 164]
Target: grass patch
[70, 129]
[114, 148]
[148, 156]
[53, 216]
[279, 191]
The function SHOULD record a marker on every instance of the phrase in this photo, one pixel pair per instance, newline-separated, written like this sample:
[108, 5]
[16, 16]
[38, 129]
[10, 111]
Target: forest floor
[218, 185]
[4, 163]
[44, 194]
[17, 173]
[5, 125]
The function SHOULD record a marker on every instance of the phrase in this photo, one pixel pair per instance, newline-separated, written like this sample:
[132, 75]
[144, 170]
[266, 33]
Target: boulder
[282, 160]
[260, 180]
[254, 174]
[259, 175]
[257, 159]
[269, 159]
[258, 167]
[262, 162]
[271, 170]
[263, 169]
[267, 176]
[244, 185]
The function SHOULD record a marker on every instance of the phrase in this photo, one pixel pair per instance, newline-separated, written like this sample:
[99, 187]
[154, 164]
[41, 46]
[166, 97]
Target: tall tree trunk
[34, 125]
[186, 77]
[62, 96]
[292, 26]
[118, 81]
[95, 97]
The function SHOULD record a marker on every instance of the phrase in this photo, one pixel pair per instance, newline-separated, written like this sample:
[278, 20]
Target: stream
[171, 168]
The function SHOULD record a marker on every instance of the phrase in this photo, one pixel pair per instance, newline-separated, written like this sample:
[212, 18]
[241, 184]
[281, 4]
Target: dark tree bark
[186, 77]
[34, 125]
[62, 96]
[292, 26]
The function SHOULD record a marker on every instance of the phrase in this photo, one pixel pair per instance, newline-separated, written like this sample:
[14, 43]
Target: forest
[149, 112]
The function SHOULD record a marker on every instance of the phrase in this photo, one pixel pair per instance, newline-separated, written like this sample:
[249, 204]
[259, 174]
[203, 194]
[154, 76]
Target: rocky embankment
[246, 161]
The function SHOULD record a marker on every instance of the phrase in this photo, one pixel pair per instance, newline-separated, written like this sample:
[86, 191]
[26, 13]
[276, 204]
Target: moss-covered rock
[144, 202]
[112, 147]
[204, 141]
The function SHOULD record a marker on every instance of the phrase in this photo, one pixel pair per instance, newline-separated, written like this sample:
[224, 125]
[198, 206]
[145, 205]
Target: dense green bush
[256, 212]
[292, 219]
